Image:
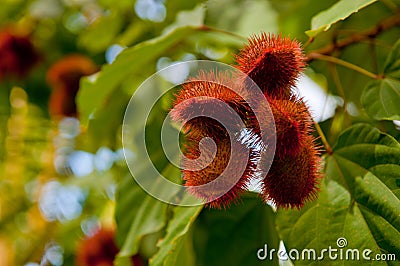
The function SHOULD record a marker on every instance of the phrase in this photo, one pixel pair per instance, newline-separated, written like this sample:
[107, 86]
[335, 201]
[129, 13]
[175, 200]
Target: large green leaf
[234, 236]
[103, 31]
[339, 11]
[381, 98]
[177, 230]
[248, 18]
[138, 214]
[130, 63]
[359, 200]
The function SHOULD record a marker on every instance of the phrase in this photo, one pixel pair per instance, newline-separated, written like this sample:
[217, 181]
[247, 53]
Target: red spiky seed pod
[273, 63]
[294, 179]
[17, 54]
[293, 125]
[227, 175]
[64, 76]
[204, 100]
[100, 250]
[292, 120]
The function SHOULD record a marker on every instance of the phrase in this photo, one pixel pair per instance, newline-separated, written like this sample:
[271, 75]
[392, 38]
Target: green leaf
[339, 11]
[247, 18]
[234, 236]
[138, 214]
[133, 210]
[193, 17]
[177, 230]
[392, 64]
[128, 64]
[359, 200]
[381, 98]
[101, 33]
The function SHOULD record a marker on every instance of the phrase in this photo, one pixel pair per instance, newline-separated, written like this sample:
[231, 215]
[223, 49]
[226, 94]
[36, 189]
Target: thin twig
[382, 26]
[345, 64]
[340, 90]
[323, 138]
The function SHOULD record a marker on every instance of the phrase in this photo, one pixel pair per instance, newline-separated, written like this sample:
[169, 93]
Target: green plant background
[359, 197]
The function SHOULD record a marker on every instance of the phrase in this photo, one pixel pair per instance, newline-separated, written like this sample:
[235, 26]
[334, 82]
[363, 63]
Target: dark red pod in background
[63, 77]
[17, 54]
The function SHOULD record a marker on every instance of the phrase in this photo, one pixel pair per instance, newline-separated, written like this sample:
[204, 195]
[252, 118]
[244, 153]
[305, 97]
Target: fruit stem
[323, 138]
[345, 64]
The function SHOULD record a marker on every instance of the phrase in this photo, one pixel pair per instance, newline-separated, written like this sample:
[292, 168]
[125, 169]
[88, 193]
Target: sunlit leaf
[137, 214]
[103, 31]
[250, 17]
[193, 17]
[339, 11]
[177, 230]
[131, 61]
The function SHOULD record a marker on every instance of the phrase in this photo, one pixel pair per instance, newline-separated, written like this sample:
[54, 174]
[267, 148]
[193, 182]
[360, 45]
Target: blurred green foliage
[60, 179]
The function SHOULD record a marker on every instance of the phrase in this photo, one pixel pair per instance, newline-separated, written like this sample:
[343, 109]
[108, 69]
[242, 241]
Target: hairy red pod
[273, 63]
[294, 179]
[64, 76]
[100, 250]
[293, 125]
[229, 171]
[17, 54]
[208, 104]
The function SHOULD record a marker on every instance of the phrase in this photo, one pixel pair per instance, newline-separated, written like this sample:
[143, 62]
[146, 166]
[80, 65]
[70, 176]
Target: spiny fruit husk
[273, 63]
[207, 103]
[293, 125]
[227, 175]
[294, 179]
[292, 120]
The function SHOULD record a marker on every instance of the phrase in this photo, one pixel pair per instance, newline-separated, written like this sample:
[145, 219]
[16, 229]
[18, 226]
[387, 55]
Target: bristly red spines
[205, 96]
[210, 84]
[227, 185]
[273, 62]
[293, 124]
[294, 179]
[214, 98]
